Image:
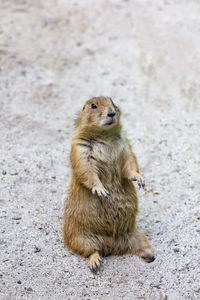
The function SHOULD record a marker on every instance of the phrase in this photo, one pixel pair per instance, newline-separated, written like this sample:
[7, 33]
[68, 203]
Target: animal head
[100, 112]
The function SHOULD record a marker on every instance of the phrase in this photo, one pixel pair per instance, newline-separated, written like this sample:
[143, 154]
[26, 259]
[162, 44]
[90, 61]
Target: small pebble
[19, 281]
[16, 218]
[37, 249]
[13, 173]
[163, 295]
[4, 172]
[176, 249]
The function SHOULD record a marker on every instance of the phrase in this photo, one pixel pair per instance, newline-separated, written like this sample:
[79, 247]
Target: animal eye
[93, 106]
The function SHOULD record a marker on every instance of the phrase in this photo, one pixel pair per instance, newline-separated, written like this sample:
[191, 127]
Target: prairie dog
[102, 204]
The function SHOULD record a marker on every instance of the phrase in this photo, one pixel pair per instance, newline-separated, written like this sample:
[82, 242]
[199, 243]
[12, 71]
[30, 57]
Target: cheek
[96, 117]
[93, 118]
[103, 113]
[89, 119]
[118, 114]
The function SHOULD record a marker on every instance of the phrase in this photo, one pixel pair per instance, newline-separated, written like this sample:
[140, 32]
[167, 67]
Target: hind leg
[89, 247]
[139, 245]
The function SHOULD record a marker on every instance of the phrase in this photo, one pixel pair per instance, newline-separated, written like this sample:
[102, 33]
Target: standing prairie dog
[102, 204]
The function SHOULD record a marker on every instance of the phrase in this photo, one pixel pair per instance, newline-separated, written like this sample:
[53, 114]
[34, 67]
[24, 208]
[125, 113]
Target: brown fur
[101, 207]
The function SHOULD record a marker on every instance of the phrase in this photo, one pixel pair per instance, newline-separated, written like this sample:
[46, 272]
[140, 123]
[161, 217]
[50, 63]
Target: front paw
[140, 180]
[100, 191]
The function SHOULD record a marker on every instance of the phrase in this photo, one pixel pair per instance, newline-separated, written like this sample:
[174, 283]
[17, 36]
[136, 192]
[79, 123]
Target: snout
[110, 118]
[111, 112]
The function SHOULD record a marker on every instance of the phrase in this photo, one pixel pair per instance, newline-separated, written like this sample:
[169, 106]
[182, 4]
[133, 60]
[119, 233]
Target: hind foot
[94, 262]
[146, 256]
[141, 247]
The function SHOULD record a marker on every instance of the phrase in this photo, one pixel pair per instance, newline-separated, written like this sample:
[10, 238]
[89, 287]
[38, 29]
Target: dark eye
[93, 106]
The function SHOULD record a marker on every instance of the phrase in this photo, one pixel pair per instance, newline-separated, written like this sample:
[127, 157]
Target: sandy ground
[56, 54]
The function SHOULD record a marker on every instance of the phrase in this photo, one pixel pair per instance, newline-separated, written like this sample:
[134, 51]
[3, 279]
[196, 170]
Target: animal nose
[111, 112]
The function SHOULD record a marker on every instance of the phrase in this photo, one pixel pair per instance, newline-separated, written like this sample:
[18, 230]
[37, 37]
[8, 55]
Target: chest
[109, 152]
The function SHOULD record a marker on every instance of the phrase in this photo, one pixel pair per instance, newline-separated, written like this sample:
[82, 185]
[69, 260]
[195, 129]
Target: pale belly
[116, 215]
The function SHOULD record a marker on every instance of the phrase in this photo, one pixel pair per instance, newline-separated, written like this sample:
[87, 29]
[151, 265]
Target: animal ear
[112, 102]
[116, 107]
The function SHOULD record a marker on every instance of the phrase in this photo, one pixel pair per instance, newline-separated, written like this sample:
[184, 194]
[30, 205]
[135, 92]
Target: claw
[95, 268]
[133, 179]
[150, 258]
[101, 192]
[94, 262]
[140, 181]
[107, 195]
[94, 192]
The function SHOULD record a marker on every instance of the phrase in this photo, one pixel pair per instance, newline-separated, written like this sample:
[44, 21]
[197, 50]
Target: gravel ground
[56, 54]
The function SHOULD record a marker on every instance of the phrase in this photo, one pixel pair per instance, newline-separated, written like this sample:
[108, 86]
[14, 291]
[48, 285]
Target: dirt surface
[56, 54]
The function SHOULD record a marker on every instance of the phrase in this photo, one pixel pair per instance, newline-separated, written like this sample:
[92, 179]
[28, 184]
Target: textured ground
[56, 54]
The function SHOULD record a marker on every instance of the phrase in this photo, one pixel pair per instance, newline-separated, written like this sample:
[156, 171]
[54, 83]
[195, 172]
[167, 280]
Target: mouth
[108, 121]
